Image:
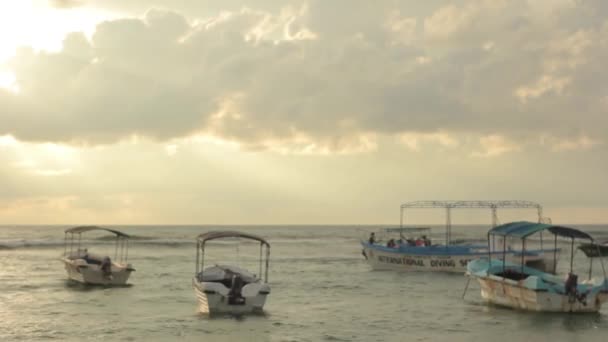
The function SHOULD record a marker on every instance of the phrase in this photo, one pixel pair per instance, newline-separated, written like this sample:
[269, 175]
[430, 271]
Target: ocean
[322, 290]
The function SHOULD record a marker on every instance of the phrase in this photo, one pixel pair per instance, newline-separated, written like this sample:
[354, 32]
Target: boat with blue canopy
[512, 284]
[412, 250]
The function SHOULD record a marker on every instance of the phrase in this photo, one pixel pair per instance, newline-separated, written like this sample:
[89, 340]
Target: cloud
[581, 143]
[540, 87]
[299, 76]
[495, 145]
[65, 3]
[413, 141]
[52, 173]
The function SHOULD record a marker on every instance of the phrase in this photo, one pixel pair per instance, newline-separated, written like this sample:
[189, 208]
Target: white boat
[407, 255]
[404, 256]
[520, 287]
[96, 269]
[228, 288]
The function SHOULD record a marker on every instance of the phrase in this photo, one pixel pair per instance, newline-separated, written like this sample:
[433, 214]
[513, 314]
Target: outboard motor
[106, 267]
[571, 283]
[234, 296]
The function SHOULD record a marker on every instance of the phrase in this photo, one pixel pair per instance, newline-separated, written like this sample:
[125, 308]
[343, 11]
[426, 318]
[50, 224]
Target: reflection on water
[77, 286]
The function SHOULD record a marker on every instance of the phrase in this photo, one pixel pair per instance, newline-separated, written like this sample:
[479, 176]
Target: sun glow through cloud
[7, 81]
[34, 23]
[182, 111]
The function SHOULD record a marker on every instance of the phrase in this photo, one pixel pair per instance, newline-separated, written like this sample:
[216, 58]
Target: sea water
[322, 290]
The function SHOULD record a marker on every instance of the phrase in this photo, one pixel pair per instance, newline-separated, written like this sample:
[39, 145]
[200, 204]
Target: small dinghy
[518, 286]
[228, 288]
[95, 269]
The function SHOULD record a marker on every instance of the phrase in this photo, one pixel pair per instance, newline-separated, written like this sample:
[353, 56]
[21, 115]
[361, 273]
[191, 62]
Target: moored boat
[408, 256]
[517, 286]
[230, 288]
[448, 256]
[94, 269]
[594, 250]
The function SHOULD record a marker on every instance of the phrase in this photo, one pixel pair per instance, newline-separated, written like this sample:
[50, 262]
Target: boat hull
[92, 275]
[593, 250]
[213, 298]
[509, 293]
[380, 258]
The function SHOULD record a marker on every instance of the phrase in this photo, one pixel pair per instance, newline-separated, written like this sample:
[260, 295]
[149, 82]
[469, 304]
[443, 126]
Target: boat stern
[213, 297]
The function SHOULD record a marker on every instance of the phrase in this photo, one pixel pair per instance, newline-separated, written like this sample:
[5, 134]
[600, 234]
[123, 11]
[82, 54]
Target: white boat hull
[385, 260]
[509, 293]
[91, 274]
[213, 298]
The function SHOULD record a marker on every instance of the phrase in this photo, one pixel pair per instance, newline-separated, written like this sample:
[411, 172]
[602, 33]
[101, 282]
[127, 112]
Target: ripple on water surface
[322, 290]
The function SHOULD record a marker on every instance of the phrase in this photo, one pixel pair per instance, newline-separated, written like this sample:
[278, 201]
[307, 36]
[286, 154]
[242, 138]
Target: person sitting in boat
[427, 241]
[571, 288]
[106, 267]
[372, 238]
[419, 242]
[391, 243]
[85, 255]
[88, 259]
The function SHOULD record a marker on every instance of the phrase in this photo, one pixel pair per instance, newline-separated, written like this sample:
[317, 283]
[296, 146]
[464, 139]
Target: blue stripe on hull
[461, 250]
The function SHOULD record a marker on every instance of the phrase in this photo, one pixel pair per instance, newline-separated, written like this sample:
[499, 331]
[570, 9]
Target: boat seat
[92, 261]
[512, 274]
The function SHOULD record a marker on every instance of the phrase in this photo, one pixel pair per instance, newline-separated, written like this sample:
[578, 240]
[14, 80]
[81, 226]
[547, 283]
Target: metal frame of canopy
[402, 230]
[524, 229]
[449, 205]
[122, 241]
[213, 235]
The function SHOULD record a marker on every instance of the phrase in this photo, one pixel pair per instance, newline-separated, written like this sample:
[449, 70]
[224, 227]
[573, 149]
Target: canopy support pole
[590, 268]
[523, 252]
[116, 249]
[267, 262]
[196, 263]
[127, 252]
[601, 261]
[489, 250]
[448, 225]
[494, 216]
[571, 254]
[122, 249]
[555, 255]
[261, 261]
[202, 256]
[504, 254]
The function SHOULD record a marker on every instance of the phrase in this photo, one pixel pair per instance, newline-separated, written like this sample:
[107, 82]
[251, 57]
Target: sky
[300, 111]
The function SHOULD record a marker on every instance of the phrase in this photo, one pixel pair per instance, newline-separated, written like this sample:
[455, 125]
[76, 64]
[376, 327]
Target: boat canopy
[524, 229]
[82, 229]
[229, 234]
